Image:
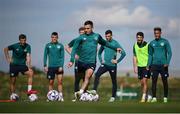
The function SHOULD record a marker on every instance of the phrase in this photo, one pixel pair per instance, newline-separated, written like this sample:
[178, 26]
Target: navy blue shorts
[53, 71]
[143, 73]
[82, 67]
[15, 69]
[104, 68]
[159, 69]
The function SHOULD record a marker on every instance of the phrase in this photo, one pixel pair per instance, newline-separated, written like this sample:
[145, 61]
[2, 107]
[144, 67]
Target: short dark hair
[22, 36]
[88, 22]
[55, 34]
[140, 34]
[157, 29]
[81, 28]
[108, 32]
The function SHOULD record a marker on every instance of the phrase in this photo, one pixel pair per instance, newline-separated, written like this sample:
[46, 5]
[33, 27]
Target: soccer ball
[53, 95]
[14, 96]
[33, 97]
[83, 97]
[89, 97]
[96, 97]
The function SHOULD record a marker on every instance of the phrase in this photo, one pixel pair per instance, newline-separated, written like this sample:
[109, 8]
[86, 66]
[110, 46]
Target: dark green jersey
[54, 52]
[71, 45]
[89, 43]
[159, 52]
[19, 53]
[110, 54]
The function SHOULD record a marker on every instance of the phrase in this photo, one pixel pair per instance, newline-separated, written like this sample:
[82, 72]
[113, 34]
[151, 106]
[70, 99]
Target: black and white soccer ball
[53, 95]
[33, 97]
[89, 97]
[14, 96]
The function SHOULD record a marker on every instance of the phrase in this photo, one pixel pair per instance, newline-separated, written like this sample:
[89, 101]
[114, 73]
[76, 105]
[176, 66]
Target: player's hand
[166, 65]
[114, 61]
[70, 64]
[76, 57]
[119, 50]
[9, 60]
[46, 69]
[135, 70]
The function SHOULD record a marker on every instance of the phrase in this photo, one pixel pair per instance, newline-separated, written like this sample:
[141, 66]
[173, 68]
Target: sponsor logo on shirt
[153, 45]
[162, 44]
[58, 47]
[49, 46]
[17, 49]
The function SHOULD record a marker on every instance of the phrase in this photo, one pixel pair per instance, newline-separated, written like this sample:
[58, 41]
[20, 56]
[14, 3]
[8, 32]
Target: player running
[87, 58]
[78, 74]
[20, 62]
[109, 63]
[159, 59]
[54, 53]
[140, 60]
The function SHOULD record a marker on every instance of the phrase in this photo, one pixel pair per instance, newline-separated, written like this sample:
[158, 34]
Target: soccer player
[54, 52]
[159, 59]
[109, 63]
[140, 61]
[20, 62]
[78, 74]
[87, 58]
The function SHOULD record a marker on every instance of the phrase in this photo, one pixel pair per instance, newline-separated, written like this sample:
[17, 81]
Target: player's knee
[30, 73]
[60, 82]
[51, 82]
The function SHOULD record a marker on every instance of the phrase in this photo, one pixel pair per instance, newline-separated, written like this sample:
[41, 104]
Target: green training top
[110, 54]
[54, 52]
[159, 52]
[71, 45]
[89, 43]
[141, 53]
[19, 53]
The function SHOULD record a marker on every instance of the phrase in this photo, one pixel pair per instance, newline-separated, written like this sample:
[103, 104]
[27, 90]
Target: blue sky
[39, 18]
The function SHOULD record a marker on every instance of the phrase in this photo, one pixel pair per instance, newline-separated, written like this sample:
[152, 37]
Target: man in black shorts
[20, 62]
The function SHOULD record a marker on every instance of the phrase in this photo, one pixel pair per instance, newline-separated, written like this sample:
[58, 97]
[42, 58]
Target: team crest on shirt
[59, 47]
[162, 44]
[25, 50]
[49, 46]
[17, 49]
[84, 38]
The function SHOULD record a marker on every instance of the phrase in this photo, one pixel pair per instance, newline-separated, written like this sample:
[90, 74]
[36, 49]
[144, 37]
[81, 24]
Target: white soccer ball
[89, 97]
[83, 97]
[53, 95]
[33, 97]
[14, 96]
[96, 97]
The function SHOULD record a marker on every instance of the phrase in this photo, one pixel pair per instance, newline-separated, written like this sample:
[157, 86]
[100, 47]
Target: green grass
[88, 107]
[104, 90]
